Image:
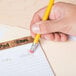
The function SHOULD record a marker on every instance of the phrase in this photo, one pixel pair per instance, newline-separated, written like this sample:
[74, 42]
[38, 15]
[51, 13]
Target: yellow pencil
[45, 17]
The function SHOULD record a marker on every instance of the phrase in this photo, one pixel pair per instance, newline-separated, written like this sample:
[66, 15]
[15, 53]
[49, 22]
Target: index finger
[36, 18]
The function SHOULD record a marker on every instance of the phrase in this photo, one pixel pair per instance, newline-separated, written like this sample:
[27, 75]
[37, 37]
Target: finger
[48, 36]
[57, 11]
[46, 27]
[64, 37]
[36, 18]
[57, 37]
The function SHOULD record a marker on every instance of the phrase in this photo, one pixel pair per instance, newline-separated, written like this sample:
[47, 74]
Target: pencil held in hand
[45, 17]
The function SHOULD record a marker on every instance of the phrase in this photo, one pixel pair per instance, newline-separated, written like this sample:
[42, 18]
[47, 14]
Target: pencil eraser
[31, 51]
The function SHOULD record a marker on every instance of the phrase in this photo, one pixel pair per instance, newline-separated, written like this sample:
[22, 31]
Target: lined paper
[18, 62]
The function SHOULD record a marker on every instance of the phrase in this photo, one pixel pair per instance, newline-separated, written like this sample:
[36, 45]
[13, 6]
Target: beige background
[62, 56]
[20, 12]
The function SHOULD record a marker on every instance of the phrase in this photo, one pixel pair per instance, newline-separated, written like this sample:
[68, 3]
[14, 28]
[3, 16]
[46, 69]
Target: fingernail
[35, 28]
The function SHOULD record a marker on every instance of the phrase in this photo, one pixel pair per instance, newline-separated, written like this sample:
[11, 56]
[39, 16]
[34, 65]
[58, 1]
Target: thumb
[44, 27]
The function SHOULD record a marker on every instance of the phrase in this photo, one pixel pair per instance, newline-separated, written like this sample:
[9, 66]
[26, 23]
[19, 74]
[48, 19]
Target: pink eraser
[31, 51]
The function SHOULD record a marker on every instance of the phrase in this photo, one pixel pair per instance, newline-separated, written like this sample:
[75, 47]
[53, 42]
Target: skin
[61, 22]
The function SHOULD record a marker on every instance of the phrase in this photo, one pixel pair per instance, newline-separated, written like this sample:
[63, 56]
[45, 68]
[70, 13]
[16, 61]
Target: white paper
[73, 38]
[18, 62]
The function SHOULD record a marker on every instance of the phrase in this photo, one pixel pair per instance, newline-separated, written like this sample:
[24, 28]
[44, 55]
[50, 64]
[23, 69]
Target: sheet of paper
[18, 62]
[15, 63]
[72, 38]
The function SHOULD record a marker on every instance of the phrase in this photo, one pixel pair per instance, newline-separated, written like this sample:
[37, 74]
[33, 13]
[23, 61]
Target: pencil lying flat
[45, 17]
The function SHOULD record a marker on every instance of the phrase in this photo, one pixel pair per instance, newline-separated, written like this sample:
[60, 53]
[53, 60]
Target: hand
[61, 22]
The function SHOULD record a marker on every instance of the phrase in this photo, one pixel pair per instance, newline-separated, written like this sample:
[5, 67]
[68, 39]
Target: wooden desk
[62, 56]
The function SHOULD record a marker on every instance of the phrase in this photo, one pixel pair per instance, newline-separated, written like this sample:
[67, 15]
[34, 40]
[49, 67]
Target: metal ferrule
[34, 46]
